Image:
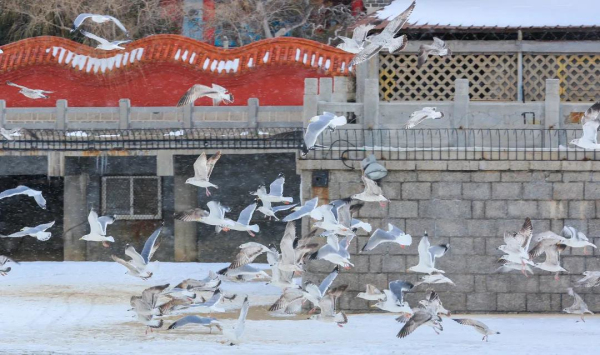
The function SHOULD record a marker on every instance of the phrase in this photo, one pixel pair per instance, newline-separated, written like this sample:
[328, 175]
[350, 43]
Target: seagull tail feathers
[110, 239]
[254, 228]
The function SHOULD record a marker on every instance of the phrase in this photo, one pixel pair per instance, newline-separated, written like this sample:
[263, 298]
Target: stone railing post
[2, 113]
[340, 89]
[311, 100]
[61, 114]
[325, 89]
[187, 115]
[124, 113]
[371, 104]
[460, 111]
[552, 111]
[253, 112]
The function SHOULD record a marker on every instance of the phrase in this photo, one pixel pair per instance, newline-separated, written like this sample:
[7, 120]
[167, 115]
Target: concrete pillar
[361, 76]
[253, 112]
[61, 114]
[164, 163]
[552, 104]
[325, 89]
[186, 234]
[2, 113]
[311, 100]
[460, 110]
[75, 216]
[124, 113]
[371, 104]
[340, 89]
[56, 163]
[187, 115]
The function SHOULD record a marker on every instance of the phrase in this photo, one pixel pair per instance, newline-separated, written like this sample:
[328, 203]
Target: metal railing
[341, 144]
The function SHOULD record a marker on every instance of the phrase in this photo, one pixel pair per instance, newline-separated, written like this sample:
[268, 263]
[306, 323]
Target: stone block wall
[469, 204]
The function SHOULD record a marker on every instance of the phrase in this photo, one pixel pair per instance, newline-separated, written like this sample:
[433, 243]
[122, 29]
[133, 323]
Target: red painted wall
[159, 79]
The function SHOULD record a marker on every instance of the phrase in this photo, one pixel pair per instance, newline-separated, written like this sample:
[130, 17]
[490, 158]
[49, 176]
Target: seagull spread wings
[203, 167]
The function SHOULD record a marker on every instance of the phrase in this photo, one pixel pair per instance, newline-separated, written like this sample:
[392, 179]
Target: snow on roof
[496, 13]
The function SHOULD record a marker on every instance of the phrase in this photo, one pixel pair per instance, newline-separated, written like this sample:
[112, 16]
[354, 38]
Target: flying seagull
[234, 334]
[578, 306]
[3, 268]
[434, 303]
[305, 210]
[98, 228]
[316, 126]
[435, 278]
[215, 216]
[217, 93]
[243, 222]
[31, 93]
[392, 235]
[24, 190]
[334, 218]
[328, 312]
[372, 193]
[438, 47]
[394, 298]
[97, 19]
[207, 322]
[16, 132]
[372, 293]
[590, 279]
[247, 254]
[338, 255]
[355, 44]
[589, 139]
[244, 273]
[576, 239]
[105, 44]
[479, 326]
[508, 266]
[421, 115]
[385, 39]
[421, 317]
[38, 232]
[552, 248]
[145, 306]
[517, 245]
[270, 211]
[138, 265]
[203, 168]
[427, 256]
[275, 194]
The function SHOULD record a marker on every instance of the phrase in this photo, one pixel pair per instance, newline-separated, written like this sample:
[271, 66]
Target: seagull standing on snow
[98, 228]
[578, 307]
[5, 269]
[438, 47]
[385, 39]
[217, 93]
[105, 44]
[393, 235]
[216, 216]
[372, 193]
[243, 222]
[203, 168]
[16, 132]
[479, 326]
[423, 114]
[31, 93]
[24, 190]
[97, 19]
[138, 265]
[38, 232]
[427, 256]
[355, 44]
[316, 126]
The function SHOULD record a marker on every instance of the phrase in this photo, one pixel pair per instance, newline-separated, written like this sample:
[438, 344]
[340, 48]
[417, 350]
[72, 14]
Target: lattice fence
[492, 77]
[578, 75]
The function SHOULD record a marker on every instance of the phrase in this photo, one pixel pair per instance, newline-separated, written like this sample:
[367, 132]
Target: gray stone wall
[470, 205]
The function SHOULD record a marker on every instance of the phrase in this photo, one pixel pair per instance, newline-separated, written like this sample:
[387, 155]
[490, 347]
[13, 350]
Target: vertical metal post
[61, 114]
[253, 112]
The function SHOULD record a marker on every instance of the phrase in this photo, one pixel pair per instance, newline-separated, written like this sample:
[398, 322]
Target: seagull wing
[136, 259]
[246, 214]
[360, 32]
[591, 113]
[416, 118]
[194, 93]
[17, 86]
[399, 288]
[276, 188]
[247, 254]
[577, 300]
[399, 21]
[398, 44]
[119, 24]
[131, 268]
[104, 221]
[151, 294]
[378, 237]
[314, 129]
[16, 191]
[303, 211]
[438, 43]
[288, 254]
[94, 223]
[191, 319]
[326, 283]
[418, 319]
[366, 53]
[241, 324]
[590, 131]
[473, 323]
[201, 168]
[193, 215]
[210, 164]
[553, 254]
[425, 256]
[282, 207]
[371, 186]
[94, 37]
[79, 20]
[287, 299]
[150, 244]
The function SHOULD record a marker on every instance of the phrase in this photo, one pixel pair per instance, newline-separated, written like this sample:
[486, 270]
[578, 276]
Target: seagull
[578, 307]
[589, 139]
[590, 279]
[434, 303]
[479, 326]
[289, 303]
[97, 19]
[269, 211]
[104, 44]
[355, 44]
[247, 254]
[211, 305]
[31, 93]
[517, 244]
[38, 232]
[371, 294]
[552, 262]
[427, 256]
[234, 335]
[216, 216]
[138, 265]
[435, 278]
[508, 266]
[305, 210]
[421, 115]
[207, 322]
[394, 298]
[393, 235]
[385, 39]
[314, 293]
[288, 260]
[275, 194]
[217, 93]
[202, 170]
[24, 190]
[372, 193]
[576, 239]
[145, 306]
[98, 228]
[328, 313]
[244, 273]
[424, 316]
[316, 126]
[338, 223]
[4, 270]
[209, 283]
[438, 47]
[337, 255]
[17, 132]
[243, 222]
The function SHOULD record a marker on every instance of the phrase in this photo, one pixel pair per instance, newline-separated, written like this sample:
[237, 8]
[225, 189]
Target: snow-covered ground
[81, 308]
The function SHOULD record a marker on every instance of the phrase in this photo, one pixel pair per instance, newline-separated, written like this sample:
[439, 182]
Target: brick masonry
[470, 205]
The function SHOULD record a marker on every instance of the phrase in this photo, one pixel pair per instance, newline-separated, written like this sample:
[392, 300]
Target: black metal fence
[341, 144]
